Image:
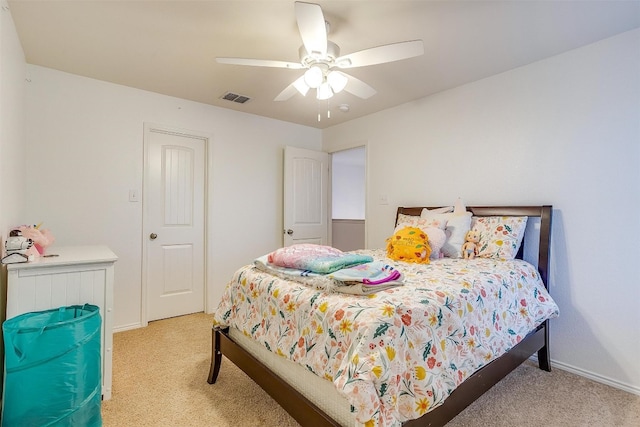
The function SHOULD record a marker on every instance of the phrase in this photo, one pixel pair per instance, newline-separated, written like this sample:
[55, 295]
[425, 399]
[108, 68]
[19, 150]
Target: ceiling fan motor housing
[308, 59]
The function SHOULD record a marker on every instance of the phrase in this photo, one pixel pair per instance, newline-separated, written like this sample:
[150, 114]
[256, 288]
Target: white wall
[12, 152]
[12, 147]
[85, 146]
[563, 131]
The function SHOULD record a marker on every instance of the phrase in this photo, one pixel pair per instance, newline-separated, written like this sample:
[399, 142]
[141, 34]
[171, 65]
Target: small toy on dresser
[470, 247]
[17, 246]
[42, 238]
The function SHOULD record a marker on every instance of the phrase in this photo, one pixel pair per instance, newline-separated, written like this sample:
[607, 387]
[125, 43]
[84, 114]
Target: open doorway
[348, 189]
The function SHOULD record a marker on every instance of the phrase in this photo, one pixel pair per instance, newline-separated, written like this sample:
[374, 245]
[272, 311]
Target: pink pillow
[437, 238]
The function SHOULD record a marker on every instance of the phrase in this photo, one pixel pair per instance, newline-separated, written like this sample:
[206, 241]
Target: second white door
[306, 182]
[174, 223]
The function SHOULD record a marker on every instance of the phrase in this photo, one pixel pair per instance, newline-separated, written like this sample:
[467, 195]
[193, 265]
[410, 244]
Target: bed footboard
[299, 407]
[307, 413]
[481, 381]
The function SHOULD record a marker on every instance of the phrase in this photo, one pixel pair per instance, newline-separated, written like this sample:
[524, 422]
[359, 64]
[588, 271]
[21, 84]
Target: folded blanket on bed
[362, 279]
[316, 258]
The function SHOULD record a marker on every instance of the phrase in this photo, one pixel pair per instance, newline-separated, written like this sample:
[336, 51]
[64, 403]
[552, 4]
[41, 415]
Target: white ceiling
[170, 47]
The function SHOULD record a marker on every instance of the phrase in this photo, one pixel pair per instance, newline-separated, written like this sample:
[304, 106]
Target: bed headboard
[543, 212]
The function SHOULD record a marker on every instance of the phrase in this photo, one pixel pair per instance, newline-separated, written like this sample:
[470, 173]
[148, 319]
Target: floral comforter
[398, 353]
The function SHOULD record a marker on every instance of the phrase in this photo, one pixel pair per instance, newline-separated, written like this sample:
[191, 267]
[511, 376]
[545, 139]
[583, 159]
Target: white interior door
[174, 223]
[306, 181]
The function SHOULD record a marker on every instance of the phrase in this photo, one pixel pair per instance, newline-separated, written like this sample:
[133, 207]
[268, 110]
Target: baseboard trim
[127, 327]
[592, 376]
[596, 377]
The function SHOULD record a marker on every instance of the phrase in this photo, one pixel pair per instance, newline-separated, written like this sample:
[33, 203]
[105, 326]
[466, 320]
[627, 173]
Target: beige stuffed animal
[470, 247]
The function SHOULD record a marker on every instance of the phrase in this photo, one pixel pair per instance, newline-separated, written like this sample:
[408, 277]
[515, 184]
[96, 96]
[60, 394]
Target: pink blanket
[315, 258]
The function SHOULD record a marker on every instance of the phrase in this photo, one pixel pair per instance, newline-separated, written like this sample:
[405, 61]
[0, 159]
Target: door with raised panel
[174, 223]
[306, 182]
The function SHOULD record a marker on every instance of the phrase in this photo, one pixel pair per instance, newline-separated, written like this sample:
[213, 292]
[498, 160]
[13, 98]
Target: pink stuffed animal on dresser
[42, 238]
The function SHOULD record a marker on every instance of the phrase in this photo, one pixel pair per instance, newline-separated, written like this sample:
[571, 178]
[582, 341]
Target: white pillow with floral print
[500, 236]
[419, 222]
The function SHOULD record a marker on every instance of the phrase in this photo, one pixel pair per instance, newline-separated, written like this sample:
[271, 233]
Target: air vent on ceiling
[234, 97]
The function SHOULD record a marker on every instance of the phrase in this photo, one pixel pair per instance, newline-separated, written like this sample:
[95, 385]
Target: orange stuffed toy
[409, 244]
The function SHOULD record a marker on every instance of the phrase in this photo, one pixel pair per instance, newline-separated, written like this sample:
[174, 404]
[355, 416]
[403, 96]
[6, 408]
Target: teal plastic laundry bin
[52, 364]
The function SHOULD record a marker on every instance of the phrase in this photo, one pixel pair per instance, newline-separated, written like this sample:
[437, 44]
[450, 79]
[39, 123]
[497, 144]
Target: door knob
[289, 232]
[153, 236]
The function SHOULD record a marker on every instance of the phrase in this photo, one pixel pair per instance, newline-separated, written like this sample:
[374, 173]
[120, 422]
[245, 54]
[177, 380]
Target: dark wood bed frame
[308, 414]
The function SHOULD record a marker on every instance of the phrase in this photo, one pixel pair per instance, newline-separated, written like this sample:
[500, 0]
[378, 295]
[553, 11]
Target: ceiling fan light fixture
[314, 77]
[337, 81]
[301, 86]
[324, 91]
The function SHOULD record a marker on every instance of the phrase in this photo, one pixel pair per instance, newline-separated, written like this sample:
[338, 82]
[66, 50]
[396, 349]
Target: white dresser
[78, 275]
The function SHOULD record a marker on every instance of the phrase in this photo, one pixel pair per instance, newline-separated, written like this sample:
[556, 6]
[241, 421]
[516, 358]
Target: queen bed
[415, 354]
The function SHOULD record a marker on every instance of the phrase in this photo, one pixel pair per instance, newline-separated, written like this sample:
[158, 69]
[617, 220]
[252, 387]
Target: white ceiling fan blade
[260, 63]
[359, 88]
[297, 86]
[313, 29]
[381, 54]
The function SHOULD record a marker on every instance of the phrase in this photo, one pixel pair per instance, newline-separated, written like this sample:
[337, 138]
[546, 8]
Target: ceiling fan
[322, 61]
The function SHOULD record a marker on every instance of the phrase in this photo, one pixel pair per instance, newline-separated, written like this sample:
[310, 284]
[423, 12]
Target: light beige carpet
[160, 379]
